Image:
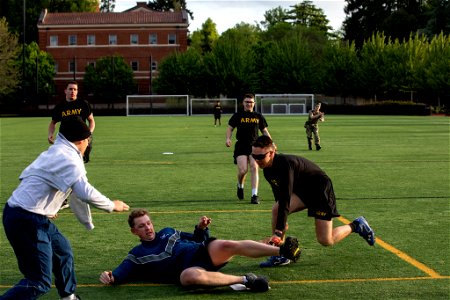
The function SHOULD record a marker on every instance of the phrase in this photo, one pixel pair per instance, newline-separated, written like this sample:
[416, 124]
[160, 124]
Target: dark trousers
[40, 250]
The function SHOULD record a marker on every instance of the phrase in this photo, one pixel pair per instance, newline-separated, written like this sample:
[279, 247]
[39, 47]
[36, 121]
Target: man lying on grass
[192, 260]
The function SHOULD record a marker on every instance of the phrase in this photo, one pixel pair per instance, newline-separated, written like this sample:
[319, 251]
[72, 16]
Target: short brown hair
[136, 213]
[264, 141]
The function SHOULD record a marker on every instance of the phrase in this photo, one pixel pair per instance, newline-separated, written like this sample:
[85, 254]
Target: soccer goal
[285, 104]
[150, 105]
[205, 106]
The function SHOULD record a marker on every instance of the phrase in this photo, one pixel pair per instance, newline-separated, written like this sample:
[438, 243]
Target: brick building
[143, 37]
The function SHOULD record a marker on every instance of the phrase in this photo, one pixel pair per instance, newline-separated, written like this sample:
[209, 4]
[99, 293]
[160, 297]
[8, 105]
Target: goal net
[149, 105]
[285, 104]
[205, 106]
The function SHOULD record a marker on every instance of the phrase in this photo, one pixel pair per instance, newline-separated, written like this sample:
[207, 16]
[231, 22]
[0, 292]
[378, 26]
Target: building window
[53, 40]
[72, 66]
[113, 39]
[134, 65]
[134, 39]
[153, 39]
[154, 65]
[72, 40]
[172, 39]
[91, 64]
[91, 39]
[56, 67]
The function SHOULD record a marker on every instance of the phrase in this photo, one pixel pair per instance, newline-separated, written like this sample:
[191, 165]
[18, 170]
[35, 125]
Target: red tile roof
[112, 18]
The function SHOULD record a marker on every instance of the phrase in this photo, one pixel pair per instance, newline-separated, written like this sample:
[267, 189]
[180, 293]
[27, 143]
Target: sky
[227, 13]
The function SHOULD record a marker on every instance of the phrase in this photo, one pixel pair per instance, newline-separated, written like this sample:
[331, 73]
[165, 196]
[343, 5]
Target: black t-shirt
[292, 174]
[247, 124]
[68, 109]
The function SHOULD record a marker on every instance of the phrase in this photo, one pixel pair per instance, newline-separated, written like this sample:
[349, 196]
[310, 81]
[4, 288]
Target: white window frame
[134, 39]
[53, 40]
[72, 40]
[112, 39]
[90, 39]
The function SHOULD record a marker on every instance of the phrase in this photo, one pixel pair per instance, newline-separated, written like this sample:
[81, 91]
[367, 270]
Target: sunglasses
[260, 156]
[249, 102]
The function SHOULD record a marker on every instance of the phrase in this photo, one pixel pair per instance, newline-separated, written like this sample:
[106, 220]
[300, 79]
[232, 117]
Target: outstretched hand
[204, 222]
[120, 206]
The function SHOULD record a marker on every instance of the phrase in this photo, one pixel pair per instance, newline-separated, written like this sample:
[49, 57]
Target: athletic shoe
[255, 200]
[363, 229]
[275, 261]
[240, 193]
[290, 249]
[318, 147]
[71, 297]
[64, 205]
[256, 283]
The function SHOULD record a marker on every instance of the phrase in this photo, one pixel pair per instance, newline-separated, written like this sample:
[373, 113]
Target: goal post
[285, 104]
[205, 106]
[151, 105]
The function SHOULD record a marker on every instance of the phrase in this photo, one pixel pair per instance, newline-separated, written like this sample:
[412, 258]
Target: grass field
[394, 170]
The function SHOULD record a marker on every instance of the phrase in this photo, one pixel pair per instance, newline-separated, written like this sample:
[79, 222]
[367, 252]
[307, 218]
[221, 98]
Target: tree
[274, 16]
[110, 80]
[13, 11]
[437, 13]
[290, 65]
[9, 74]
[340, 69]
[39, 73]
[303, 14]
[107, 5]
[204, 39]
[364, 18]
[169, 5]
[232, 62]
[436, 71]
[182, 74]
[308, 15]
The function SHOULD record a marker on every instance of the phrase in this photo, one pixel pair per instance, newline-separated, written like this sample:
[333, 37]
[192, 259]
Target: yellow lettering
[73, 112]
[250, 120]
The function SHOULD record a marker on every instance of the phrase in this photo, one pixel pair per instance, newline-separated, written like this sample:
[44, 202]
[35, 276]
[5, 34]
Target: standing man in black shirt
[248, 123]
[72, 107]
[217, 113]
[299, 184]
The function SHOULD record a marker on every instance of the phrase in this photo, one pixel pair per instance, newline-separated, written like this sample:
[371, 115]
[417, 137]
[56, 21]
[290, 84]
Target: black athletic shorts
[202, 258]
[321, 200]
[241, 148]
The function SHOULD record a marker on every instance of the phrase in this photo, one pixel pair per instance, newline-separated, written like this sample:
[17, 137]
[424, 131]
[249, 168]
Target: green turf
[394, 170]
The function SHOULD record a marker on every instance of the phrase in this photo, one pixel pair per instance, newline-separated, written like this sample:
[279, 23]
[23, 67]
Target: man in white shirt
[39, 246]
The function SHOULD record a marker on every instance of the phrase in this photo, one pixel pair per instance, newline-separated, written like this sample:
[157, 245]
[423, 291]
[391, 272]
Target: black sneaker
[256, 283]
[240, 193]
[290, 249]
[255, 200]
[318, 147]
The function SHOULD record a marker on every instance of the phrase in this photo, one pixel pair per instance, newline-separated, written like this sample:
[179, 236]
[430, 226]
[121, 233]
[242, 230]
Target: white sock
[255, 192]
[240, 185]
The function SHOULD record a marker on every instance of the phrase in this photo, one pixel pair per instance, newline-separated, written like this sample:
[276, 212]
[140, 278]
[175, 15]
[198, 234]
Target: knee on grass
[193, 277]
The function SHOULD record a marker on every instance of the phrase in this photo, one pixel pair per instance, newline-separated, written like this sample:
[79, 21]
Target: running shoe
[275, 261]
[363, 229]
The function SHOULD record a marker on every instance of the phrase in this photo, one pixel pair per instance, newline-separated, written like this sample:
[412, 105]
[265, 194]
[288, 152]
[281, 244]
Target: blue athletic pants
[40, 250]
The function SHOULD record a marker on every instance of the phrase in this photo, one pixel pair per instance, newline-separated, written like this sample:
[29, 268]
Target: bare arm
[265, 131]
[91, 122]
[51, 132]
[228, 136]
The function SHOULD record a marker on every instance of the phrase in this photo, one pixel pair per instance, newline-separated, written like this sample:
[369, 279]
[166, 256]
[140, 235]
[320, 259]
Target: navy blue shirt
[164, 258]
